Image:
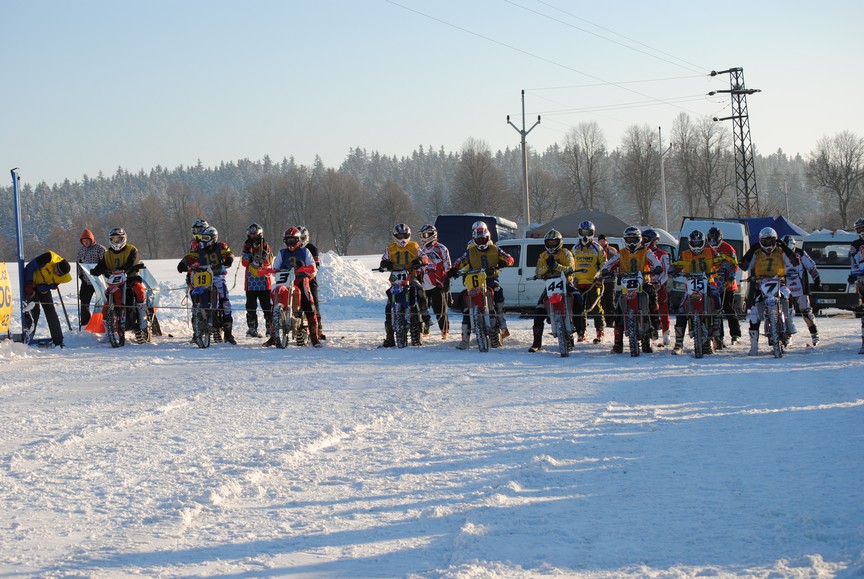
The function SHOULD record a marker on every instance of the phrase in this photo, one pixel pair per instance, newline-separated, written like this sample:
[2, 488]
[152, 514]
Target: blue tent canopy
[780, 224]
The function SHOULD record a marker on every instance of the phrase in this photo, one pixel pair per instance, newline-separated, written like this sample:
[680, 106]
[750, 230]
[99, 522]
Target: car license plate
[826, 301]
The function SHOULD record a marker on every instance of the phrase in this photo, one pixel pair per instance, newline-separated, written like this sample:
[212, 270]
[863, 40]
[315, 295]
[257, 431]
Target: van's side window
[533, 254]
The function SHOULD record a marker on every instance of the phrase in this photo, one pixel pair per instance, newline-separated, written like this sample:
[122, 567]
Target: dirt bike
[559, 308]
[771, 310]
[207, 315]
[121, 311]
[405, 318]
[698, 306]
[288, 320]
[480, 301]
[633, 305]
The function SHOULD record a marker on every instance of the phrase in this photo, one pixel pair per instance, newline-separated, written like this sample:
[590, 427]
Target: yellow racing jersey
[563, 257]
[589, 257]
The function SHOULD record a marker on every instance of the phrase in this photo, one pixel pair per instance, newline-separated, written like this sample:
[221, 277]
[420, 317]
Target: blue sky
[95, 84]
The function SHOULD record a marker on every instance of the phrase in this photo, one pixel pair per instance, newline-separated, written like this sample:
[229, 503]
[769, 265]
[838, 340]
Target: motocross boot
[427, 321]
[646, 345]
[666, 337]
[228, 337]
[618, 343]
[389, 338]
[754, 343]
[502, 323]
[252, 324]
[599, 338]
[580, 326]
[313, 332]
[790, 321]
[466, 337]
[142, 334]
[678, 349]
[85, 315]
[538, 339]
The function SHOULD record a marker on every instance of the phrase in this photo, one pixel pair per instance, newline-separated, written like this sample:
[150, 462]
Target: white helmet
[480, 235]
[768, 239]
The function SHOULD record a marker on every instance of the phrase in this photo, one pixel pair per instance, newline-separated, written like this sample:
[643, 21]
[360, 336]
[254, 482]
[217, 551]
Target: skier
[256, 256]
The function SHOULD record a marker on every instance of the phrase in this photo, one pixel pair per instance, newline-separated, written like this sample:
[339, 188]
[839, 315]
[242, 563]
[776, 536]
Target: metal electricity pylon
[745, 171]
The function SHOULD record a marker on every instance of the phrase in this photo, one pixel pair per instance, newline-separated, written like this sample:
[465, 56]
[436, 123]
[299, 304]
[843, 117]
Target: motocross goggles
[402, 235]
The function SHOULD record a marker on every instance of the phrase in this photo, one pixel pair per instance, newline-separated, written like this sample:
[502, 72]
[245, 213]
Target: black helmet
[632, 238]
[255, 231]
[553, 240]
[696, 240]
[649, 236]
[714, 237]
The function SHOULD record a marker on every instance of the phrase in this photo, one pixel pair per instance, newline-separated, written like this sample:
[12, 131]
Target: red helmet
[291, 238]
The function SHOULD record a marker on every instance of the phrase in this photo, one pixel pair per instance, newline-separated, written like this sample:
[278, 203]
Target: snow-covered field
[352, 461]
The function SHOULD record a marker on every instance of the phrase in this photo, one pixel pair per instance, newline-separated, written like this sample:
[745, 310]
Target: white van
[522, 293]
[736, 234]
[830, 250]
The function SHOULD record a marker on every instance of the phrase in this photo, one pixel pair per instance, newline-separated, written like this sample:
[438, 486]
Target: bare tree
[585, 162]
[478, 185]
[714, 165]
[683, 165]
[265, 202]
[344, 199]
[226, 215]
[150, 217]
[183, 210]
[639, 169]
[546, 196]
[837, 168]
[392, 205]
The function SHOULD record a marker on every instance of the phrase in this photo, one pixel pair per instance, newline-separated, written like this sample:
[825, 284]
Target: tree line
[352, 209]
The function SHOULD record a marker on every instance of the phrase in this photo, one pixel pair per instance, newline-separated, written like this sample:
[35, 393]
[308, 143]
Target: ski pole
[65, 313]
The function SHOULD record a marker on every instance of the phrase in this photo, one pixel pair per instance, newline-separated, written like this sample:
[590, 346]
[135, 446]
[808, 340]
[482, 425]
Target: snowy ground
[352, 461]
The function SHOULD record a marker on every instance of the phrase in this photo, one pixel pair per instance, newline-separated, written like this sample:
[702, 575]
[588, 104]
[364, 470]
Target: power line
[538, 57]
[593, 85]
[690, 65]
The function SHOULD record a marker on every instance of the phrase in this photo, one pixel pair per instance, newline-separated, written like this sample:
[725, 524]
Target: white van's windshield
[828, 253]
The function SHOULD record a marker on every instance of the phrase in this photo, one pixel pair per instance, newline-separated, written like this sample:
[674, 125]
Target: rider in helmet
[217, 255]
[404, 254]
[257, 257]
[798, 283]
[699, 256]
[633, 257]
[295, 256]
[197, 227]
[590, 258]
[650, 237]
[482, 253]
[728, 285]
[550, 264]
[856, 274]
[313, 283]
[121, 255]
[767, 259]
[436, 284]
